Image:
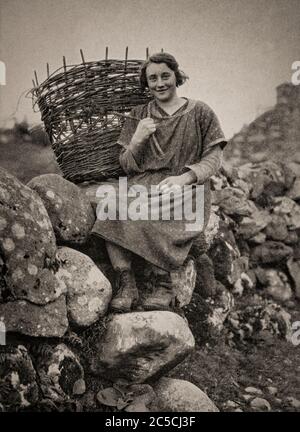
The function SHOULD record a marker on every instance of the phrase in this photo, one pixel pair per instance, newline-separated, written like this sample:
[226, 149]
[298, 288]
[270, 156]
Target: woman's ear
[182, 78]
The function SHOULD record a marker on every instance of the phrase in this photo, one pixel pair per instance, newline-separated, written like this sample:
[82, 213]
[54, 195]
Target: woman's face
[161, 81]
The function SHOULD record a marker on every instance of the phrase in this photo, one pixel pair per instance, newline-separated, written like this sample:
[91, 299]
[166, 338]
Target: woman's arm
[208, 166]
[131, 157]
[197, 173]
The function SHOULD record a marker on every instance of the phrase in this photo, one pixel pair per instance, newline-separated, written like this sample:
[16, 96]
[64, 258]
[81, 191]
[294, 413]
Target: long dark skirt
[164, 243]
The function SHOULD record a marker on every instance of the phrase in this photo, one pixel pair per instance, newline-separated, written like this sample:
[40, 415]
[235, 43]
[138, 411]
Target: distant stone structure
[273, 134]
[288, 94]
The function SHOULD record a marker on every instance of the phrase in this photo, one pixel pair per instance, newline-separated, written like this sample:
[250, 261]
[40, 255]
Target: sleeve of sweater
[213, 143]
[130, 161]
[209, 165]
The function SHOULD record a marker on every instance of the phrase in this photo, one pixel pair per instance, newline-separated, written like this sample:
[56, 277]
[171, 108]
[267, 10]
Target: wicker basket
[79, 106]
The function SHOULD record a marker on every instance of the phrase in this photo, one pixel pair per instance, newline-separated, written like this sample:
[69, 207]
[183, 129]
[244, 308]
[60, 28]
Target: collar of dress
[153, 110]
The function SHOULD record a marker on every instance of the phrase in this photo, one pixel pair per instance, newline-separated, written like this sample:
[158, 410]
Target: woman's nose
[159, 82]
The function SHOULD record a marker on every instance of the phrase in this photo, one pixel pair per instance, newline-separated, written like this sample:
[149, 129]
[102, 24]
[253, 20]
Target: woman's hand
[173, 183]
[144, 130]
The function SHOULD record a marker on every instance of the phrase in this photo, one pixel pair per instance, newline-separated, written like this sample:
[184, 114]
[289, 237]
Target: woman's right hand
[144, 130]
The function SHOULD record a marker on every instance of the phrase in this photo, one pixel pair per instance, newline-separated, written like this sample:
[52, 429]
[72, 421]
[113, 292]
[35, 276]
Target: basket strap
[156, 149]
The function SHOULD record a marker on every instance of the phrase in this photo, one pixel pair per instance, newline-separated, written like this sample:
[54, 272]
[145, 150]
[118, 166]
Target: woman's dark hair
[170, 61]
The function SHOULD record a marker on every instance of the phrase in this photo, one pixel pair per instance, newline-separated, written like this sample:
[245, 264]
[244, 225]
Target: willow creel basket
[79, 105]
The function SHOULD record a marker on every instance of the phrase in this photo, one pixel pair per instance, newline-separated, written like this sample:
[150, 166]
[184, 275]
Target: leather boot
[127, 293]
[162, 293]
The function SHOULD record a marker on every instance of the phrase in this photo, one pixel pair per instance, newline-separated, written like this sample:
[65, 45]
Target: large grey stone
[289, 210]
[27, 244]
[224, 253]
[69, 209]
[260, 404]
[254, 391]
[244, 282]
[267, 177]
[276, 230]
[239, 266]
[212, 227]
[60, 373]
[18, 386]
[292, 238]
[205, 280]
[225, 232]
[206, 316]
[229, 171]
[295, 167]
[142, 345]
[184, 281]
[176, 395]
[294, 192]
[271, 252]
[277, 285]
[243, 186]
[259, 238]
[218, 182]
[250, 226]
[293, 402]
[27, 318]
[233, 201]
[294, 270]
[220, 307]
[88, 290]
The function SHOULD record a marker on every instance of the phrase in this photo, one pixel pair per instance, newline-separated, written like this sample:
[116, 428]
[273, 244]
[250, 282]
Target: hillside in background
[273, 135]
[26, 152]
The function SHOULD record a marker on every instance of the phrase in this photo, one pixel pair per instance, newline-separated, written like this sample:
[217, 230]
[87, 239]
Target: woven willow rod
[79, 105]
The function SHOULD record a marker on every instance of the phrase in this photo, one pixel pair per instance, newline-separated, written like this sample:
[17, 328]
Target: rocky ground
[235, 374]
[229, 343]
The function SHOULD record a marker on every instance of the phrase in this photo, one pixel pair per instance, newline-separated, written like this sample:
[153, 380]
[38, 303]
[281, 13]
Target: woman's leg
[162, 294]
[127, 292]
[120, 258]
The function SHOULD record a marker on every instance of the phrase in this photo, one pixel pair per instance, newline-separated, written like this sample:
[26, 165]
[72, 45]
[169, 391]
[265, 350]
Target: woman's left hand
[174, 182]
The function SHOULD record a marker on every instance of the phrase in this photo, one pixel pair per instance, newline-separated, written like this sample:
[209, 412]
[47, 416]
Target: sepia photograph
[149, 209]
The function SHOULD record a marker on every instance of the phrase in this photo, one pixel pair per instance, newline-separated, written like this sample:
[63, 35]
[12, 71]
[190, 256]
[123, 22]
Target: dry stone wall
[56, 289]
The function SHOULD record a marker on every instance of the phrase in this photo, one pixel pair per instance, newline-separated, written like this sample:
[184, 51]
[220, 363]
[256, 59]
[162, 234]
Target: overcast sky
[235, 51]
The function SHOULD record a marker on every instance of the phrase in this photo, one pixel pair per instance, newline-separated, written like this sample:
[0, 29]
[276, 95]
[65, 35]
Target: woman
[170, 142]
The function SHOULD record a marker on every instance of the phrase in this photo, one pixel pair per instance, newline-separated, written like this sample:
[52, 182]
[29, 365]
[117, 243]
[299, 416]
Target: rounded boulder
[89, 292]
[27, 244]
[69, 208]
[176, 395]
